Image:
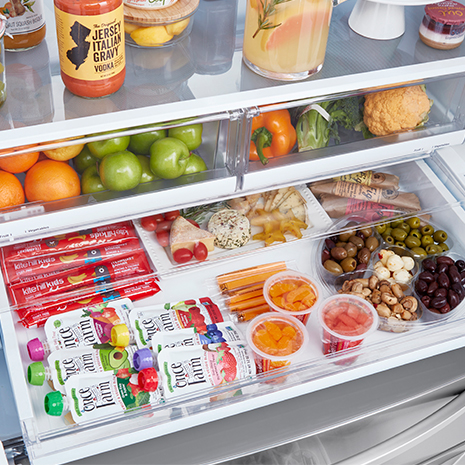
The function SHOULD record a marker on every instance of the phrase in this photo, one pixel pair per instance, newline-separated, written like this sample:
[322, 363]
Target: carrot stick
[247, 315]
[247, 289]
[249, 303]
[244, 296]
[236, 275]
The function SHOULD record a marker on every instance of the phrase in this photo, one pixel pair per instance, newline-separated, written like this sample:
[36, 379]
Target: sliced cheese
[295, 204]
[184, 235]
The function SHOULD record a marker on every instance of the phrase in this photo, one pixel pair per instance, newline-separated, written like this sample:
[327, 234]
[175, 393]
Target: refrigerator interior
[226, 103]
[48, 439]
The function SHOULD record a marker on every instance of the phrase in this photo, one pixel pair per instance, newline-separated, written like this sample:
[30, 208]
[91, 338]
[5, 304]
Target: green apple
[191, 135]
[147, 174]
[141, 143]
[83, 160]
[168, 158]
[90, 180]
[195, 164]
[101, 148]
[120, 171]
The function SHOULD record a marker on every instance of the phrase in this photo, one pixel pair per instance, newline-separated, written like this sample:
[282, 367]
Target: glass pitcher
[286, 39]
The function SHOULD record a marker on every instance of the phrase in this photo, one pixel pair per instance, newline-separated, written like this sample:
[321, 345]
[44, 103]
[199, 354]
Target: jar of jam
[2, 61]
[90, 37]
[443, 26]
[26, 24]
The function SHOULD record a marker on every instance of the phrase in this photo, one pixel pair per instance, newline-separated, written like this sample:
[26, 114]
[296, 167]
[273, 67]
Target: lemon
[151, 36]
[129, 27]
[176, 28]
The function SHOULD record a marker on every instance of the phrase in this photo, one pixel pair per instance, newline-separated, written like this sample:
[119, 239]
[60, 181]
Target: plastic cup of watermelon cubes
[276, 340]
[292, 293]
[345, 322]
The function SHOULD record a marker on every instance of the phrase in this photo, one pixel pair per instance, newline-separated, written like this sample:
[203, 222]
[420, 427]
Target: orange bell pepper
[272, 135]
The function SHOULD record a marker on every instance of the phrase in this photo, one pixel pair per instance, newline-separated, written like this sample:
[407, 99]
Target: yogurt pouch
[94, 397]
[64, 364]
[188, 370]
[190, 337]
[84, 327]
[193, 313]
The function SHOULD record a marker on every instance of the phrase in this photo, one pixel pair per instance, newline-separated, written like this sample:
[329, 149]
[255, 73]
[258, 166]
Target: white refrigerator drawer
[49, 440]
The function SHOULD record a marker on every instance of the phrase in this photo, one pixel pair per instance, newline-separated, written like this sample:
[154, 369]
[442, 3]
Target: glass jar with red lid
[443, 26]
[90, 37]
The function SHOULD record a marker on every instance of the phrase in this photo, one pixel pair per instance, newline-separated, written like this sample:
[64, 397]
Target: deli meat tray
[315, 217]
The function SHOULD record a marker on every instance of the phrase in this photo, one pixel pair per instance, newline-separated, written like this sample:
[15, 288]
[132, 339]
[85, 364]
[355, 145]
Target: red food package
[51, 265]
[97, 275]
[37, 315]
[82, 240]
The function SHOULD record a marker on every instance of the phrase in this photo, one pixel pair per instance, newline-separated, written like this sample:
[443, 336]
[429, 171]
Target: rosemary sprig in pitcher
[268, 9]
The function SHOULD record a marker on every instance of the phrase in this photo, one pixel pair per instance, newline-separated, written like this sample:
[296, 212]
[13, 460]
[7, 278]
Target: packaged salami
[367, 178]
[116, 233]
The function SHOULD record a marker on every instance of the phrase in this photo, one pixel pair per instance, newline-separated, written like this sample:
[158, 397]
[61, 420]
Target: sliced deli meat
[184, 235]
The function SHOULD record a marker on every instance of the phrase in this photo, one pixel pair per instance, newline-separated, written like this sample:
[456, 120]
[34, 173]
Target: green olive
[416, 233]
[412, 241]
[399, 234]
[349, 264]
[444, 247]
[417, 251]
[405, 227]
[427, 230]
[400, 243]
[440, 236]
[433, 249]
[414, 222]
[389, 240]
[341, 244]
[387, 232]
[396, 223]
[426, 240]
[333, 267]
[380, 228]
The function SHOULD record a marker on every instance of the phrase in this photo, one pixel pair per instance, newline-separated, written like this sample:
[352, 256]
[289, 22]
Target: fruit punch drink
[286, 39]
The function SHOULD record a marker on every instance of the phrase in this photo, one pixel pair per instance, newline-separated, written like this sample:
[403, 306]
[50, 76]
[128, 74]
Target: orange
[64, 153]
[11, 190]
[51, 180]
[18, 163]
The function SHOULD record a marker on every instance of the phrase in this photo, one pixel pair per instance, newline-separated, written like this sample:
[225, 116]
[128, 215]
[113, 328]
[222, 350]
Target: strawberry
[123, 373]
[228, 366]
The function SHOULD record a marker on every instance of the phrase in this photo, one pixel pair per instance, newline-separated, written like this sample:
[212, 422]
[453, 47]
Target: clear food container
[2, 61]
[158, 27]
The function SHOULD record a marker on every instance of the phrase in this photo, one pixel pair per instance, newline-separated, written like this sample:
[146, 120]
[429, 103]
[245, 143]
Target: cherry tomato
[200, 251]
[163, 238]
[172, 215]
[193, 222]
[164, 225]
[182, 255]
[149, 223]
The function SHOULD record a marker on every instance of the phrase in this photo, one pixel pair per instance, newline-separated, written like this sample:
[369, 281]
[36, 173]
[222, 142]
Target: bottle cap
[142, 359]
[35, 349]
[120, 336]
[148, 379]
[36, 373]
[53, 403]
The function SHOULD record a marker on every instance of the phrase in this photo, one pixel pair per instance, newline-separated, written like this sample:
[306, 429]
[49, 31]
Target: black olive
[426, 276]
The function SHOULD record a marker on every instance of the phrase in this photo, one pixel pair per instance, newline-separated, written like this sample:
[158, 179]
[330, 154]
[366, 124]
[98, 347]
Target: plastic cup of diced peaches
[275, 340]
[292, 293]
[345, 322]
